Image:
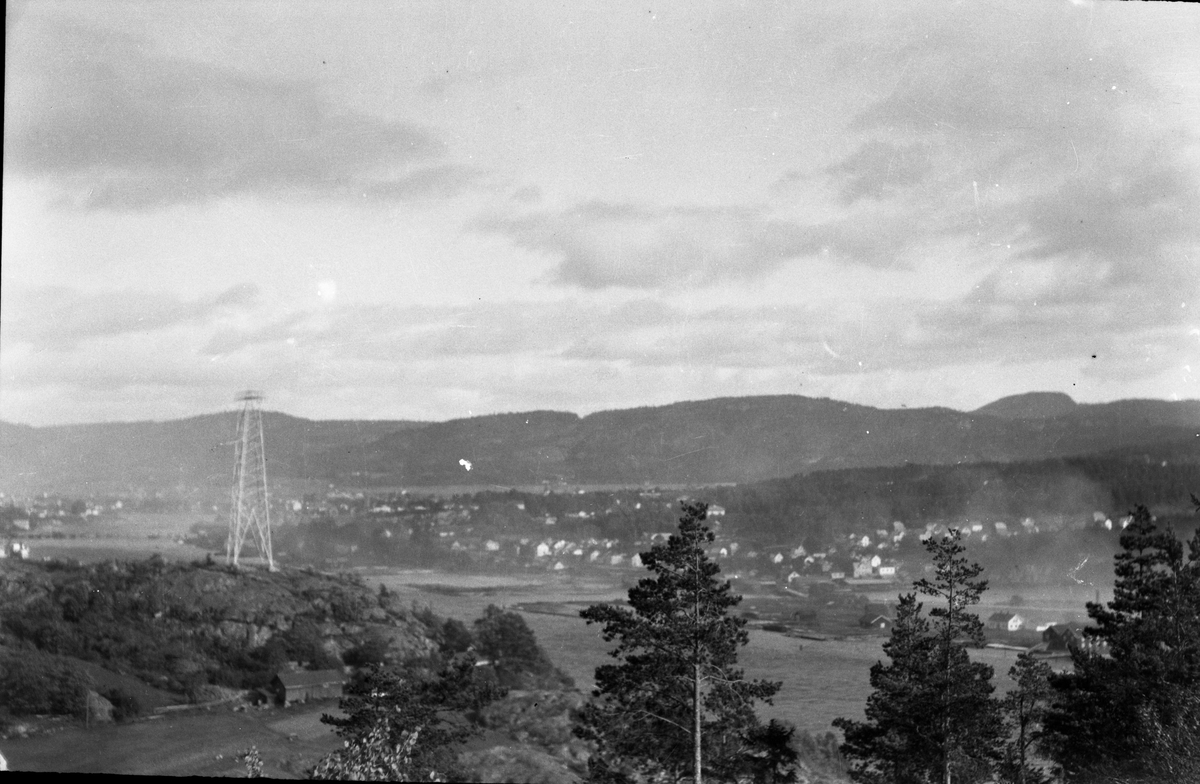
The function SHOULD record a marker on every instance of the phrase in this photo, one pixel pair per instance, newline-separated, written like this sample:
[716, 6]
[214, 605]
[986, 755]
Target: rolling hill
[698, 442]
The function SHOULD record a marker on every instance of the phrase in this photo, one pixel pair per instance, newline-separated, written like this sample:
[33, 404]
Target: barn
[307, 685]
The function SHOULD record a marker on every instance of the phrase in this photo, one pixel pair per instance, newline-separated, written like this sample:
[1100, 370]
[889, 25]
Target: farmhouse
[1061, 636]
[307, 685]
[1005, 622]
[881, 622]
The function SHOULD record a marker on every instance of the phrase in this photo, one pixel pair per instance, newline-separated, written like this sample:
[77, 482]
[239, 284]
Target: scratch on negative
[694, 451]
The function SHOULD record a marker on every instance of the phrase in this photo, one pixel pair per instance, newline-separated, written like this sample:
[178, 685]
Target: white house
[887, 571]
[558, 567]
[1001, 621]
[491, 545]
[636, 560]
[543, 550]
[777, 558]
[617, 560]
[793, 576]
[876, 561]
[716, 511]
[595, 554]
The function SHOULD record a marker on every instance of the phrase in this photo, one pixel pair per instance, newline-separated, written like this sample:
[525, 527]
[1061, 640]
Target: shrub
[34, 683]
[372, 650]
[456, 637]
[126, 704]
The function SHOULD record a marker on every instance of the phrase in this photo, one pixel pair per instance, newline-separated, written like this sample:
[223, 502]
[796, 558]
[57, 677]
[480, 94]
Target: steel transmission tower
[250, 510]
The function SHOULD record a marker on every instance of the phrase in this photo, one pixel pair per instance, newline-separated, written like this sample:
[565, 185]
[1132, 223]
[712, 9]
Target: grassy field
[821, 680]
[132, 535]
[204, 743]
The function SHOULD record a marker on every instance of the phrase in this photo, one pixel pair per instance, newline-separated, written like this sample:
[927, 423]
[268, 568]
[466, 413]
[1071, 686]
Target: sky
[432, 210]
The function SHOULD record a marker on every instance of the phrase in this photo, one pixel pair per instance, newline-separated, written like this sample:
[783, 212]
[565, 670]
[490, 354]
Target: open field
[133, 535]
[202, 743]
[822, 680]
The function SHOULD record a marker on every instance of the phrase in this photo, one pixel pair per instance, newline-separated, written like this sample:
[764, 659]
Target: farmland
[822, 680]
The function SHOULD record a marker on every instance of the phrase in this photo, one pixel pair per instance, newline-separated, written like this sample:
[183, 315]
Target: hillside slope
[700, 442]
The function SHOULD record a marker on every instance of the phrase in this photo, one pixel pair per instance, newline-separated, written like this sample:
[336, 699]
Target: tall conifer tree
[1134, 711]
[675, 706]
[931, 717]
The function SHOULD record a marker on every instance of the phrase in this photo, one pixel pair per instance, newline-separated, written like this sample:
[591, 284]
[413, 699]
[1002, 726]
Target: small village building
[777, 558]
[876, 561]
[837, 575]
[543, 550]
[1005, 622]
[616, 560]
[716, 511]
[558, 567]
[793, 576]
[594, 556]
[881, 622]
[888, 572]
[872, 612]
[799, 552]
[636, 560]
[307, 685]
[1061, 636]
[862, 568]
[491, 545]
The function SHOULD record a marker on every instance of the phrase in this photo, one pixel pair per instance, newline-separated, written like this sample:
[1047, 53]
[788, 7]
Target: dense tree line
[825, 503]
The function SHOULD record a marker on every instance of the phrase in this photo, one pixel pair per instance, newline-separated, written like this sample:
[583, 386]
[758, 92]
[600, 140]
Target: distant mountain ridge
[697, 442]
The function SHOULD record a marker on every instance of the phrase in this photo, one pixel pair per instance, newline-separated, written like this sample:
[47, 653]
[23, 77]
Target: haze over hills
[697, 442]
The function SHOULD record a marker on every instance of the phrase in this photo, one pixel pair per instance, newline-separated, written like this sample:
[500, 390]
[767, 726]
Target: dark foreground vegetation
[1127, 711]
[422, 692]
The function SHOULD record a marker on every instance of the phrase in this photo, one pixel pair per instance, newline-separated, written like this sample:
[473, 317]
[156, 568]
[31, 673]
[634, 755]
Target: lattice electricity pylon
[250, 509]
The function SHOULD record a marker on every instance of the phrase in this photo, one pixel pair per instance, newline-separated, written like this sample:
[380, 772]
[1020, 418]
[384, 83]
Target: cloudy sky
[432, 210]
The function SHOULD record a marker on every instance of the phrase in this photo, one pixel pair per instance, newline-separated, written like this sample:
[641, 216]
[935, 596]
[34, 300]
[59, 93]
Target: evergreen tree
[675, 706]
[931, 717]
[1025, 709]
[1133, 711]
[401, 727]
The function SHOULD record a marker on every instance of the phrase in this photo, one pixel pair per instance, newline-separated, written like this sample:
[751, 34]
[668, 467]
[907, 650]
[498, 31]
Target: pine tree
[402, 727]
[1133, 711]
[931, 717]
[1025, 709]
[675, 706]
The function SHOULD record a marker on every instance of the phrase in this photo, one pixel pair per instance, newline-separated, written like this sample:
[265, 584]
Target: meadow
[822, 680]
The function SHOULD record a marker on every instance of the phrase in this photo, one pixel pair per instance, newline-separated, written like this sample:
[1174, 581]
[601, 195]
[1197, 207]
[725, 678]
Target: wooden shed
[307, 685]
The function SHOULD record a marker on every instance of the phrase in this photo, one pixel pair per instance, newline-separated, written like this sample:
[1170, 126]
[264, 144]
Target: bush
[126, 705]
[34, 683]
[456, 637]
[519, 662]
[372, 650]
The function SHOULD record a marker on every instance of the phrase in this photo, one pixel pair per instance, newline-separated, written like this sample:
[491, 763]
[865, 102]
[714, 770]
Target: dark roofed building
[1061, 636]
[874, 613]
[307, 685]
